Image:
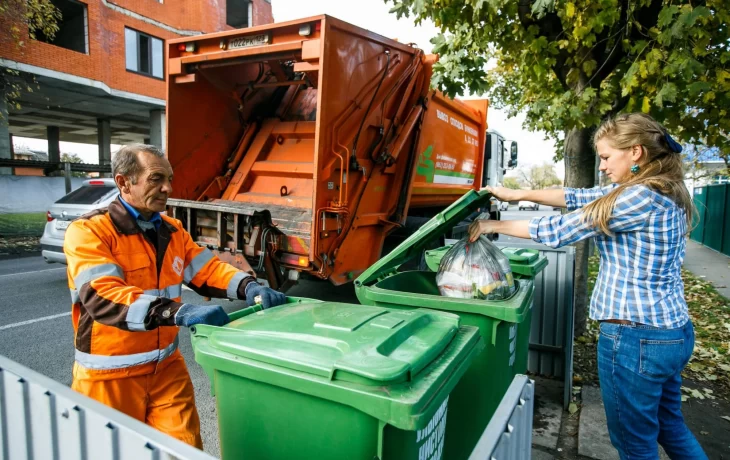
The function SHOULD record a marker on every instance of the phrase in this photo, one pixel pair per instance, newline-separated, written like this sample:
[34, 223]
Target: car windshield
[87, 194]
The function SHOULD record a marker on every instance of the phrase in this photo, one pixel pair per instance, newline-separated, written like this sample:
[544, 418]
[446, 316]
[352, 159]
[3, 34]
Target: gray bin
[43, 419]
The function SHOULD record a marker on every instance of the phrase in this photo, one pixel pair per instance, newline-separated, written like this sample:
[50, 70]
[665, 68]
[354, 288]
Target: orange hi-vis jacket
[125, 293]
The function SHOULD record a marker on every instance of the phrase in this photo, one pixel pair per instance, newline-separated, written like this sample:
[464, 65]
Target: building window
[144, 53]
[239, 13]
[73, 28]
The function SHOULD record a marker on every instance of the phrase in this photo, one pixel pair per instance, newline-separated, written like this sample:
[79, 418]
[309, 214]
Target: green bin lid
[526, 262]
[367, 345]
[397, 365]
[417, 242]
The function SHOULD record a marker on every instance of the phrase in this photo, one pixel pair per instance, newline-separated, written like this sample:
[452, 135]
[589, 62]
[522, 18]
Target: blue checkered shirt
[639, 277]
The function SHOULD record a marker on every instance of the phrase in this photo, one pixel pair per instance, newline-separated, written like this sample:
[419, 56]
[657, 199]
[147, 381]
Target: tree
[511, 182]
[539, 177]
[73, 158]
[696, 159]
[569, 63]
[16, 17]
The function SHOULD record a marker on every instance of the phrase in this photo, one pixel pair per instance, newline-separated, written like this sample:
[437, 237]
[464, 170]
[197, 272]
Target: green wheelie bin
[503, 324]
[525, 264]
[325, 380]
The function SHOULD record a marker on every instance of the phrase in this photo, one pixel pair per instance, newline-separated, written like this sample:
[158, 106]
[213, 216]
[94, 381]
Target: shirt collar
[155, 219]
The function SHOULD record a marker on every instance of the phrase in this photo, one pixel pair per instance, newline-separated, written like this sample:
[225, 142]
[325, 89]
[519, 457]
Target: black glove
[190, 315]
[269, 297]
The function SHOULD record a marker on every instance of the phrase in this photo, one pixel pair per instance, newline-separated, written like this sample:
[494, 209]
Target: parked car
[528, 205]
[93, 194]
[504, 206]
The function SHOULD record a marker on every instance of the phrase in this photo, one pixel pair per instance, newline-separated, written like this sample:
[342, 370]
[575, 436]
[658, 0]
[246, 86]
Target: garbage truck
[298, 147]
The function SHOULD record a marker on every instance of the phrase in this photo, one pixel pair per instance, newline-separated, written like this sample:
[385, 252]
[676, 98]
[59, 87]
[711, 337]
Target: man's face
[153, 185]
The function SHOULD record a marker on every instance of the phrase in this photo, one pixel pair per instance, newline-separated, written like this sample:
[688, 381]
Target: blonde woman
[639, 224]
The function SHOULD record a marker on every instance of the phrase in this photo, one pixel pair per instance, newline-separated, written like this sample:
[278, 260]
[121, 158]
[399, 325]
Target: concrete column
[157, 128]
[5, 151]
[54, 145]
[104, 138]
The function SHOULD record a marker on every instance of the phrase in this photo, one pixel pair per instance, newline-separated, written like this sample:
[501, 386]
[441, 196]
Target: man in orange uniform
[126, 267]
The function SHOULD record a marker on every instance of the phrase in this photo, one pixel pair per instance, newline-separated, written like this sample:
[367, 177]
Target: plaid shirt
[639, 278]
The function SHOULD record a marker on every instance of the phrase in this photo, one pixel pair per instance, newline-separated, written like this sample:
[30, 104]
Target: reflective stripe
[232, 289]
[97, 271]
[102, 362]
[137, 312]
[75, 296]
[196, 265]
[170, 292]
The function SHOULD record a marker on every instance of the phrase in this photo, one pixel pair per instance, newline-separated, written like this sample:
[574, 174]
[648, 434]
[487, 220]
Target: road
[36, 331]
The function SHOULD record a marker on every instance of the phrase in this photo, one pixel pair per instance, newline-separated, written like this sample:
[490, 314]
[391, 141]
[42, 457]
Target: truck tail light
[187, 47]
[49, 218]
[295, 259]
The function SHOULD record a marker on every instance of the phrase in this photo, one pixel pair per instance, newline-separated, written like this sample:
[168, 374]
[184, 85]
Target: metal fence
[509, 433]
[43, 419]
[713, 227]
[551, 334]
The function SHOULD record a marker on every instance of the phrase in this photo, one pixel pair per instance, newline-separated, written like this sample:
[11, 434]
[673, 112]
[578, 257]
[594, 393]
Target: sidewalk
[709, 264]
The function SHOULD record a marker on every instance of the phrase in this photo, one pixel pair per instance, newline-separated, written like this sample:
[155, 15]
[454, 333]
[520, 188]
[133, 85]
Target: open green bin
[503, 324]
[326, 380]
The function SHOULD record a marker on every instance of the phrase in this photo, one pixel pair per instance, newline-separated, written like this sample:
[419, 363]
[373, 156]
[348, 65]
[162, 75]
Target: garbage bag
[475, 270]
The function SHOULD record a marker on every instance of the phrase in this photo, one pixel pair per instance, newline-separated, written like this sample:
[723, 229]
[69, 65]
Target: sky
[372, 15]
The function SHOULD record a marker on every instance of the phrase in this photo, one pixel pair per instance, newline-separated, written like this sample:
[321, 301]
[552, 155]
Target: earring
[635, 169]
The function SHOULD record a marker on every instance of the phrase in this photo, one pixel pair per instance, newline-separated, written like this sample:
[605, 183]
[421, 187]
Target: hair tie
[674, 146]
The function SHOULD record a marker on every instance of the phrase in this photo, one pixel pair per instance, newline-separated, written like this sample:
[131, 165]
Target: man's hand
[480, 227]
[504, 194]
[269, 297]
[190, 315]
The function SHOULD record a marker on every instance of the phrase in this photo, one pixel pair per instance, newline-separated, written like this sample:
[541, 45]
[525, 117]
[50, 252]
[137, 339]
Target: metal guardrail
[54, 166]
[509, 434]
[43, 419]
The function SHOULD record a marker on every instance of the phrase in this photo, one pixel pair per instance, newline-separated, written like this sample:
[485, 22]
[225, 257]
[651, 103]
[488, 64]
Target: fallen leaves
[710, 313]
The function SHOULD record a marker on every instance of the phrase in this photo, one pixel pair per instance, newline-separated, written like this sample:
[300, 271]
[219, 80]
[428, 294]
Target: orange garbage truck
[298, 147]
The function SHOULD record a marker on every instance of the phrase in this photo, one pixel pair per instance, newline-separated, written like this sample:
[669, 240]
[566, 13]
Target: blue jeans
[639, 368]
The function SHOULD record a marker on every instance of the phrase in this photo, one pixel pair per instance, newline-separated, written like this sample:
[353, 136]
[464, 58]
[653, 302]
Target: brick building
[102, 78]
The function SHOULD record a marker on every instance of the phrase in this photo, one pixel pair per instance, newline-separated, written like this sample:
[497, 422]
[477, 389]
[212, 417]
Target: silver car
[93, 194]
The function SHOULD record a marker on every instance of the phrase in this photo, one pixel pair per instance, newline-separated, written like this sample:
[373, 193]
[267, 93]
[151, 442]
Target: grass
[22, 224]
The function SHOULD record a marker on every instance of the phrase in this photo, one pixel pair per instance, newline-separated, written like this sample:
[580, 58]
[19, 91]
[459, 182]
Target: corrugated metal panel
[551, 335]
[42, 419]
[509, 433]
[700, 199]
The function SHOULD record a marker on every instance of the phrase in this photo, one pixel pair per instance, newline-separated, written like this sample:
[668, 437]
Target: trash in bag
[475, 270]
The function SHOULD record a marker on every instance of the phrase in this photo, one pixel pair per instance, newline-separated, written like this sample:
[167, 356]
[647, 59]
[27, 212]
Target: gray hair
[126, 160]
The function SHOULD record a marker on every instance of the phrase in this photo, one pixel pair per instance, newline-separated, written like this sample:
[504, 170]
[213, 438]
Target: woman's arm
[516, 228]
[552, 197]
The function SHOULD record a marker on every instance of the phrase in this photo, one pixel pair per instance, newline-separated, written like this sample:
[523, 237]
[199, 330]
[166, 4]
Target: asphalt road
[36, 331]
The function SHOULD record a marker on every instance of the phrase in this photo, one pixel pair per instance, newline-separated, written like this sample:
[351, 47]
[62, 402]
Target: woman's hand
[480, 227]
[504, 194]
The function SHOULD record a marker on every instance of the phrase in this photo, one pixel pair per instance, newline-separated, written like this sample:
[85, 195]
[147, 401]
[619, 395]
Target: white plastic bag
[475, 270]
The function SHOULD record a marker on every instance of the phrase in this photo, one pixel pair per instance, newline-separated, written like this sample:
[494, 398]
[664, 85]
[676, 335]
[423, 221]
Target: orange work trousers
[164, 400]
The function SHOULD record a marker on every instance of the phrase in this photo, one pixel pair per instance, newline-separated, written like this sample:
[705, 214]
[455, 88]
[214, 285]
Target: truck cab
[500, 155]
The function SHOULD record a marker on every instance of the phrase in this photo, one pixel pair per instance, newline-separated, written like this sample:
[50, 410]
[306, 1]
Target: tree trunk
[580, 167]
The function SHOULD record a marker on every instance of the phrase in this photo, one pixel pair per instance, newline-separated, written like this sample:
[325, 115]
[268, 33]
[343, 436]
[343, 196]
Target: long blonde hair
[662, 170]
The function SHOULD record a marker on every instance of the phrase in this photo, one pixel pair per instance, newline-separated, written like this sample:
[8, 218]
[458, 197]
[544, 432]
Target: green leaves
[568, 63]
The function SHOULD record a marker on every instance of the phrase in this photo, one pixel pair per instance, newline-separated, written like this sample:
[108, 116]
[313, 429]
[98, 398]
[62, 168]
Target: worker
[126, 267]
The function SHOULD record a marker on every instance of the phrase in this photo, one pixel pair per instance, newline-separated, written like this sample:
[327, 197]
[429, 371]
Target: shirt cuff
[570, 200]
[534, 228]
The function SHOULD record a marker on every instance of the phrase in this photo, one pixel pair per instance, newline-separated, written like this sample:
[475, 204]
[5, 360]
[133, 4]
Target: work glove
[189, 315]
[269, 297]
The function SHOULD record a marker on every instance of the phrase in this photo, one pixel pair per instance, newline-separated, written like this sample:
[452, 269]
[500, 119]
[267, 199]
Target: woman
[639, 224]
